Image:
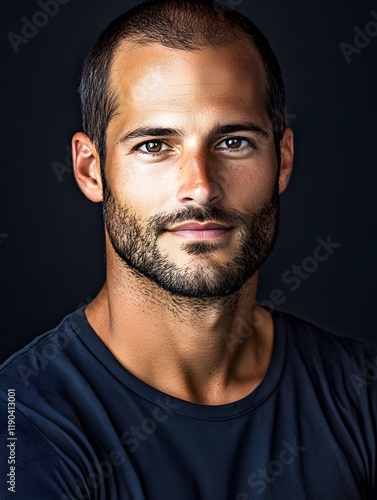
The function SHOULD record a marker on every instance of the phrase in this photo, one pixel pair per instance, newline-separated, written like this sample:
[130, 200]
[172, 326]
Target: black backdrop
[51, 237]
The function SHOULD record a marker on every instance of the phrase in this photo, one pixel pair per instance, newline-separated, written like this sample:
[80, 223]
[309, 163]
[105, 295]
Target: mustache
[161, 222]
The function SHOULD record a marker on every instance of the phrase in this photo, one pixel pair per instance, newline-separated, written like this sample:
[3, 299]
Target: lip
[197, 226]
[197, 231]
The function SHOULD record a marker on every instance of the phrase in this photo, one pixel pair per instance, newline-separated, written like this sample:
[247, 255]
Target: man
[172, 383]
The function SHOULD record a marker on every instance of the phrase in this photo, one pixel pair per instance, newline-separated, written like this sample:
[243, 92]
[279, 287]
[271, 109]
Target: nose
[200, 180]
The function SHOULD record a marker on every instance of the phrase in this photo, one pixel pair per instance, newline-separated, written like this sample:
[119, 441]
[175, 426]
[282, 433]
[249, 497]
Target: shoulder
[44, 354]
[32, 386]
[38, 386]
[34, 466]
[329, 355]
[46, 370]
[304, 332]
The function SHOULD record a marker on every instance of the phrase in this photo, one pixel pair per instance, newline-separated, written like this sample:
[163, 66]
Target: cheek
[142, 189]
[252, 185]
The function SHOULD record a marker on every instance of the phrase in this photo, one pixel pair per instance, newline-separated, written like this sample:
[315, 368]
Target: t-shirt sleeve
[370, 381]
[362, 389]
[30, 467]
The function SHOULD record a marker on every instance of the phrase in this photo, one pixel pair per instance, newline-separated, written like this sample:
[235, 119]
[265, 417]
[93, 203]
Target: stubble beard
[138, 248]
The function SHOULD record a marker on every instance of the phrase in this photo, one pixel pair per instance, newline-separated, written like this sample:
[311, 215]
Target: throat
[213, 359]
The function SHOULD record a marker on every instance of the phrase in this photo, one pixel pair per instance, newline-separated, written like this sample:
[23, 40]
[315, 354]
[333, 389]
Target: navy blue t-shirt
[75, 424]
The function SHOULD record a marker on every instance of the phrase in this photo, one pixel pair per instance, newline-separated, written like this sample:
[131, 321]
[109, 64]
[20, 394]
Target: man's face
[191, 192]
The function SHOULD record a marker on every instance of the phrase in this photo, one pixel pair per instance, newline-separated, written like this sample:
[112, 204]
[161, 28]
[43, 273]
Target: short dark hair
[179, 24]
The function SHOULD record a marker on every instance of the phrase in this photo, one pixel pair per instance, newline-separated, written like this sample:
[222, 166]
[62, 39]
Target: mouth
[198, 231]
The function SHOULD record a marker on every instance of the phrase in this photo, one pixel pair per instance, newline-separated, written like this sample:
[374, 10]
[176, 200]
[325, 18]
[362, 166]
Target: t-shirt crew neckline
[268, 384]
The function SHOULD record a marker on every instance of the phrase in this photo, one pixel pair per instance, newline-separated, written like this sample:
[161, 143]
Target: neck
[211, 351]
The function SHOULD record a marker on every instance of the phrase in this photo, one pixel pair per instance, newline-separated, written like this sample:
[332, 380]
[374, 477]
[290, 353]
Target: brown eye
[153, 146]
[234, 143]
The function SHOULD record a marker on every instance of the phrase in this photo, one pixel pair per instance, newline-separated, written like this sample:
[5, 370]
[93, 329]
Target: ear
[86, 166]
[286, 155]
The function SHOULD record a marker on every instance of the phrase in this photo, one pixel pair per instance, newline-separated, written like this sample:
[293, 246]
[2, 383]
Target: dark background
[51, 236]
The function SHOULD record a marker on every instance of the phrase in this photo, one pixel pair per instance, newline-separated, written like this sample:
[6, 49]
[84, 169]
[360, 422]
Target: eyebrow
[149, 132]
[217, 130]
[240, 127]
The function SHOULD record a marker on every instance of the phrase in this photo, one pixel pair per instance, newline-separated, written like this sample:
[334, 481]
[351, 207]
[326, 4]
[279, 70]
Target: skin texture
[208, 349]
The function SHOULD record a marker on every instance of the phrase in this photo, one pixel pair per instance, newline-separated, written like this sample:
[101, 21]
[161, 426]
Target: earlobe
[86, 167]
[286, 154]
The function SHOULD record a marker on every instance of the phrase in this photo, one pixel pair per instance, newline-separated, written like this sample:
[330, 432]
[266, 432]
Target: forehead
[153, 78]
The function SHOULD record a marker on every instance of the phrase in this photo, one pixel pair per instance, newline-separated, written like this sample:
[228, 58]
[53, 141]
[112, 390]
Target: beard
[138, 248]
